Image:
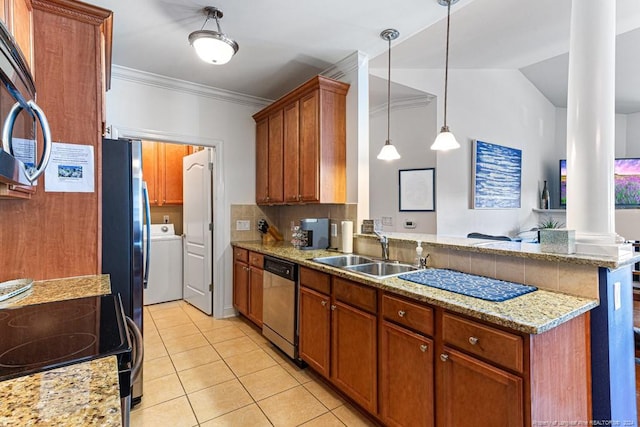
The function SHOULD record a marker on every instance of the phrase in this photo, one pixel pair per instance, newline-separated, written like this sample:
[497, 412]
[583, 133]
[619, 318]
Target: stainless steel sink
[366, 266]
[343, 260]
[381, 270]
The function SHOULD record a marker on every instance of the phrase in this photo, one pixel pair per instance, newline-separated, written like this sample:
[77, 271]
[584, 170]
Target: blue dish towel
[468, 284]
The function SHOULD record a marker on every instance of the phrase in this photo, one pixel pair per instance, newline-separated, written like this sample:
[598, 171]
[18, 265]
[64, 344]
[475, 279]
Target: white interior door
[198, 229]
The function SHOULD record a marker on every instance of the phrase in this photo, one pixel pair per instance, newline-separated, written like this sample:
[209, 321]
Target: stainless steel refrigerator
[124, 203]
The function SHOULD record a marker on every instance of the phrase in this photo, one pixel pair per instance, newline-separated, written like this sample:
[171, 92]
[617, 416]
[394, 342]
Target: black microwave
[21, 161]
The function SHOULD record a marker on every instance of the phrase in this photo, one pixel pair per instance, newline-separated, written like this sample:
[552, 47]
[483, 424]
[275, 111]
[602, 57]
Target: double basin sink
[366, 266]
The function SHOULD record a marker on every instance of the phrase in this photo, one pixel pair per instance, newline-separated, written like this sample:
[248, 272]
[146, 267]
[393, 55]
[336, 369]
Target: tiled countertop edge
[528, 250]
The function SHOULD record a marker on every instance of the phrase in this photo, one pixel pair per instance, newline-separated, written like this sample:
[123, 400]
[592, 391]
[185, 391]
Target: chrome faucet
[384, 243]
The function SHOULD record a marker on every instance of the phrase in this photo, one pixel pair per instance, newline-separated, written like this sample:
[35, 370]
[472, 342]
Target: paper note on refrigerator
[71, 169]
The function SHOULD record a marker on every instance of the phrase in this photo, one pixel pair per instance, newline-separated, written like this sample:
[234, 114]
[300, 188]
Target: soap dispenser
[418, 254]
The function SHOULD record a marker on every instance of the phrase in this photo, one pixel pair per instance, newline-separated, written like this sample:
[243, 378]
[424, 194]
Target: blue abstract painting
[497, 176]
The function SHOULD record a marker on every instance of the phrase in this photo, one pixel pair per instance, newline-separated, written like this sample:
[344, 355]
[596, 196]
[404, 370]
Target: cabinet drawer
[240, 254]
[316, 280]
[355, 294]
[495, 345]
[409, 314]
[256, 259]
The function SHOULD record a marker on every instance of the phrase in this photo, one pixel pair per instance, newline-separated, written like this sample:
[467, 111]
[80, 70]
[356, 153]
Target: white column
[591, 123]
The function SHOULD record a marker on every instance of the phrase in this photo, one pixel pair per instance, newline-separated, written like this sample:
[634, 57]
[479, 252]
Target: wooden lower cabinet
[438, 367]
[315, 330]
[406, 377]
[247, 284]
[354, 346]
[255, 295]
[241, 287]
[474, 393]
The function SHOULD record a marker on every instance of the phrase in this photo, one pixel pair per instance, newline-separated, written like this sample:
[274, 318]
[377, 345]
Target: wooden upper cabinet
[310, 165]
[309, 149]
[22, 27]
[171, 171]
[291, 164]
[262, 161]
[276, 135]
[69, 54]
[17, 16]
[162, 171]
[150, 172]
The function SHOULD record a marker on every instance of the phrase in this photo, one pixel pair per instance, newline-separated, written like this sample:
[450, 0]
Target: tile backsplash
[283, 216]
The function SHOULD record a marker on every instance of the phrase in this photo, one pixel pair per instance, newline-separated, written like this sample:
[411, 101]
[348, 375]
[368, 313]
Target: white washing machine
[165, 265]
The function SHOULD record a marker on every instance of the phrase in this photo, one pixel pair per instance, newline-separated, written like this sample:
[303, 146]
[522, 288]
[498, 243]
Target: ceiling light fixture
[445, 139]
[213, 47]
[388, 151]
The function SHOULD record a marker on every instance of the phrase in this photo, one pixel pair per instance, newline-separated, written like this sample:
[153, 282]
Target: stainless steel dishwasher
[279, 305]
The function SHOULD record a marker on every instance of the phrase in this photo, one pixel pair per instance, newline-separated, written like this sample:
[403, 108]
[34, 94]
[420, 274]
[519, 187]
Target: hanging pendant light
[213, 47]
[445, 139]
[388, 151]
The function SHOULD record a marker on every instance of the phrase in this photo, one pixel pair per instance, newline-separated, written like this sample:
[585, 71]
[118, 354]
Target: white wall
[412, 126]
[633, 135]
[497, 106]
[176, 111]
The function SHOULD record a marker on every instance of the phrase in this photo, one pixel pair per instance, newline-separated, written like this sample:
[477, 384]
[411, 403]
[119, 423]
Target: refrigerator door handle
[147, 224]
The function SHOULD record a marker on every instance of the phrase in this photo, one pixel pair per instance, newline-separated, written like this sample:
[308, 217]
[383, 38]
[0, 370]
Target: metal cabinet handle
[401, 313]
[473, 340]
[7, 136]
[423, 347]
[444, 357]
[324, 303]
[333, 306]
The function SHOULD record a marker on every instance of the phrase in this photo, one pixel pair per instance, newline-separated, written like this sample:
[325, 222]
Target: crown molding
[162, 82]
[343, 67]
[404, 104]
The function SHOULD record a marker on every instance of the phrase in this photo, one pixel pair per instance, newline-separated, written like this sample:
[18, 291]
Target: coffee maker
[315, 232]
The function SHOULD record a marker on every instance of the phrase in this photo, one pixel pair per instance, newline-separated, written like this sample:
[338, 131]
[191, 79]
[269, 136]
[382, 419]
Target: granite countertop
[78, 395]
[62, 289]
[82, 394]
[533, 313]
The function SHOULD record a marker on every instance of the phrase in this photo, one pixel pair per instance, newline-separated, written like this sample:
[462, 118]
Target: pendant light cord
[389, 96]
[446, 63]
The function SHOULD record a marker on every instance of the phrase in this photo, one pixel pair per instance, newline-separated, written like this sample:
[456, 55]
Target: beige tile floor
[201, 371]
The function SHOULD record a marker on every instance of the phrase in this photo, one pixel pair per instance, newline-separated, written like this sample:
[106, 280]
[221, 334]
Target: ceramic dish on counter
[12, 288]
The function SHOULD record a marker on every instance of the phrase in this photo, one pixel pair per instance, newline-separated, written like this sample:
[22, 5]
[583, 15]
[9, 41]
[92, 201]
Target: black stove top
[50, 335]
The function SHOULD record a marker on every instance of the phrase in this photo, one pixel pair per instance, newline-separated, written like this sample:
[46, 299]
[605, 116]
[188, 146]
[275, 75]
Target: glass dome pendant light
[445, 139]
[213, 47]
[388, 151]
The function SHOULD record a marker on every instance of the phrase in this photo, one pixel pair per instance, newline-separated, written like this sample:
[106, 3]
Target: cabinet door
[171, 172]
[262, 161]
[291, 152]
[241, 287]
[255, 295]
[150, 170]
[315, 330]
[276, 135]
[309, 148]
[354, 353]
[406, 383]
[473, 393]
[22, 27]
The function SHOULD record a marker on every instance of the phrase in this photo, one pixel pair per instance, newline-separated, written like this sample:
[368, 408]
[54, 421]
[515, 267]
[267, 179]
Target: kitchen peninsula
[85, 393]
[513, 348]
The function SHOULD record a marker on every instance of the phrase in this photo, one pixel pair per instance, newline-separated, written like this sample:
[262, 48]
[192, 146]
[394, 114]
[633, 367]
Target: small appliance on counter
[315, 232]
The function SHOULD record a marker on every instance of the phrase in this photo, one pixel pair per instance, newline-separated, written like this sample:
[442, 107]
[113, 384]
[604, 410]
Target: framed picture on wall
[417, 190]
[497, 176]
